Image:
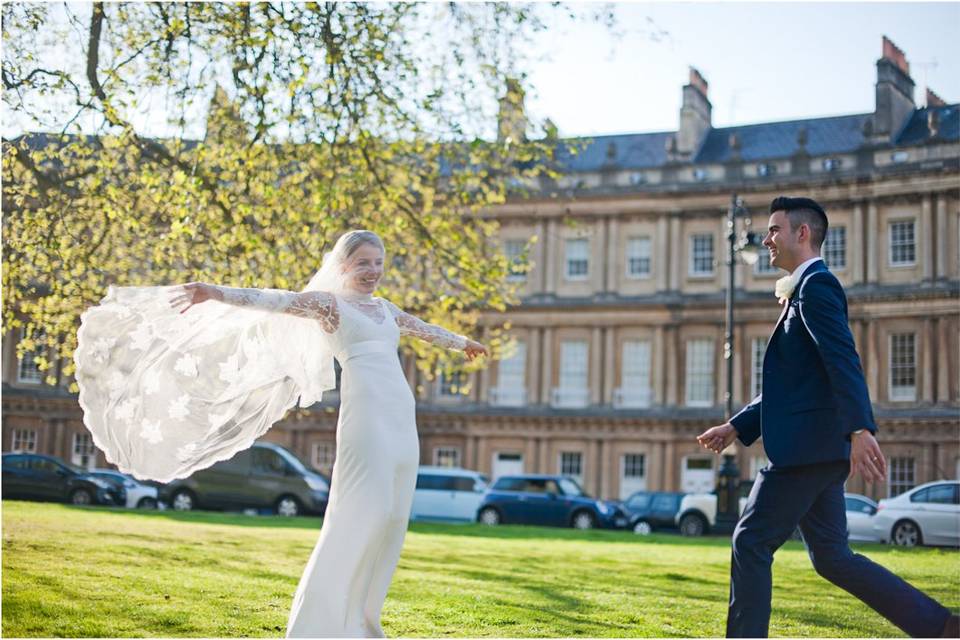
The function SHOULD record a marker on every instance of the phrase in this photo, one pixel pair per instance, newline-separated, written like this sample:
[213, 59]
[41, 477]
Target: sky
[763, 62]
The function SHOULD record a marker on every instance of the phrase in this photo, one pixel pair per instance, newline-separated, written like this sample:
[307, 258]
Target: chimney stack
[695, 115]
[894, 92]
[933, 100]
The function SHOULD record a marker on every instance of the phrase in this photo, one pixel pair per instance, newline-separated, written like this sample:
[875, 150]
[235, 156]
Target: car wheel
[906, 534]
[287, 506]
[147, 503]
[183, 500]
[642, 528]
[81, 497]
[583, 520]
[489, 516]
[692, 524]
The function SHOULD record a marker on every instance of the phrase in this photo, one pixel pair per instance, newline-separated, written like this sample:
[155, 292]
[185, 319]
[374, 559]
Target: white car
[928, 514]
[860, 513]
[447, 493]
[698, 513]
[139, 496]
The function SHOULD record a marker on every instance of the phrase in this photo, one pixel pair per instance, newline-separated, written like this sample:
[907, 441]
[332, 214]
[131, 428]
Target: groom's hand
[718, 438]
[866, 457]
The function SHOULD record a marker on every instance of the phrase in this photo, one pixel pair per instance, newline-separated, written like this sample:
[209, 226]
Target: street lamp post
[746, 244]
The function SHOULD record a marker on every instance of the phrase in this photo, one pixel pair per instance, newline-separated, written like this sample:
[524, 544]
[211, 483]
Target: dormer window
[766, 169]
[700, 175]
[831, 164]
[637, 178]
[899, 156]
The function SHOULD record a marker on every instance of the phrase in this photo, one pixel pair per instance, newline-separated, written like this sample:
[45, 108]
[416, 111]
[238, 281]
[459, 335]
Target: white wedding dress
[345, 583]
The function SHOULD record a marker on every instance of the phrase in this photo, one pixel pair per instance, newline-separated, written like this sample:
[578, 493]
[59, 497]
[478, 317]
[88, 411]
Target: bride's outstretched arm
[318, 305]
[411, 325]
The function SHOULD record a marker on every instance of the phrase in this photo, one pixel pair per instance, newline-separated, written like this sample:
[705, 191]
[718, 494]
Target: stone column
[874, 251]
[856, 245]
[592, 473]
[670, 481]
[543, 247]
[609, 358]
[552, 247]
[942, 235]
[661, 252]
[927, 235]
[482, 392]
[672, 351]
[943, 360]
[611, 254]
[657, 366]
[872, 364]
[595, 374]
[470, 452]
[532, 365]
[659, 463]
[927, 362]
[676, 253]
[603, 451]
[546, 368]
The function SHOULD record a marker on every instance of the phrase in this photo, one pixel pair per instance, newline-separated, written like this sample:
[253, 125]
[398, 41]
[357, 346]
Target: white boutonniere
[784, 288]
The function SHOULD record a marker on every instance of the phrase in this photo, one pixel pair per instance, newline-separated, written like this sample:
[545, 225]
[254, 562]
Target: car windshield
[571, 488]
[295, 462]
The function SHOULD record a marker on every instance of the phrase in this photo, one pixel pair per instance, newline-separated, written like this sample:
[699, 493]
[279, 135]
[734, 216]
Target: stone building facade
[618, 360]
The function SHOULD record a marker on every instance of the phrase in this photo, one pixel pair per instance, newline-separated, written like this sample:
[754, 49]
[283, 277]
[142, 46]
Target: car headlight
[603, 508]
[316, 484]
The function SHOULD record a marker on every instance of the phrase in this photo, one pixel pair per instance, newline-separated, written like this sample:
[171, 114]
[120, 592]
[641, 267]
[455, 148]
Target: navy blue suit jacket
[814, 394]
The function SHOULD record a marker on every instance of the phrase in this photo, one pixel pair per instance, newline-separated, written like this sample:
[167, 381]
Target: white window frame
[514, 249]
[574, 381]
[576, 250]
[27, 370]
[83, 446]
[705, 240]
[442, 454]
[631, 462]
[891, 244]
[323, 454]
[836, 235]
[24, 440]
[901, 475]
[700, 372]
[511, 389]
[640, 249]
[636, 390]
[758, 347]
[568, 456]
[901, 393]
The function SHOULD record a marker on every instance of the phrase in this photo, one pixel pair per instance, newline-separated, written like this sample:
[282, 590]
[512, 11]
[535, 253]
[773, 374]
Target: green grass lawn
[71, 571]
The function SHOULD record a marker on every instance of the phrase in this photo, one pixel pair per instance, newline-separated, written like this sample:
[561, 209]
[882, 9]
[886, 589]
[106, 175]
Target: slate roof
[766, 141]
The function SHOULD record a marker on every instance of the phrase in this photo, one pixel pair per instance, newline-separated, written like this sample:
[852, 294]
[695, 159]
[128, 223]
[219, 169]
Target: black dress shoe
[952, 628]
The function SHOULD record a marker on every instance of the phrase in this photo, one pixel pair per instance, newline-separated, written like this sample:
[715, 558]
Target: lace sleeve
[318, 305]
[414, 326]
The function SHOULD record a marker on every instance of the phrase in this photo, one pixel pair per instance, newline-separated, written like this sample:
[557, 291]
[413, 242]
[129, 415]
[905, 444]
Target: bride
[169, 387]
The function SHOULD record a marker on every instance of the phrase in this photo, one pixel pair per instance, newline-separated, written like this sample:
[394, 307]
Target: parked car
[31, 476]
[860, 512]
[265, 476]
[928, 514]
[697, 514]
[139, 495]
[650, 510]
[447, 493]
[556, 501]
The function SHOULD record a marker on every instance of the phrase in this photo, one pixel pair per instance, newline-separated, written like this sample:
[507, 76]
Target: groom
[817, 425]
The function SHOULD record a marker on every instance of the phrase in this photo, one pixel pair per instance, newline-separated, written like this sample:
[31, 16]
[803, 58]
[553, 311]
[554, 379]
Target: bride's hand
[194, 293]
[474, 350]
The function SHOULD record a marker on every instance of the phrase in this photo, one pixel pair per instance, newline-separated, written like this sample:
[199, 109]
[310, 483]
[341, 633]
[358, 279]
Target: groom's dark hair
[804, 211]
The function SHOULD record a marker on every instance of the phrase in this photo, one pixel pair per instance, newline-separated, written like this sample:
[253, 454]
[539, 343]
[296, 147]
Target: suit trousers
[811, 496]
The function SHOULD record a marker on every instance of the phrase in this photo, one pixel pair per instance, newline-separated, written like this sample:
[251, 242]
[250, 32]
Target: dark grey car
[265, 476]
